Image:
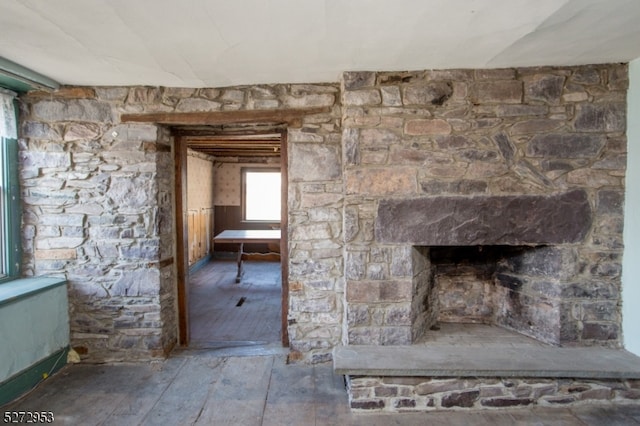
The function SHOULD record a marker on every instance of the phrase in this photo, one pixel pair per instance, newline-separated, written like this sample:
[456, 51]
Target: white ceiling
[216, 43]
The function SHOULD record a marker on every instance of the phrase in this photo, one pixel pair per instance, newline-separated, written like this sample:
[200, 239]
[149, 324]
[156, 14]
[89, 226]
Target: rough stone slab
[485, 220]
[485, 361]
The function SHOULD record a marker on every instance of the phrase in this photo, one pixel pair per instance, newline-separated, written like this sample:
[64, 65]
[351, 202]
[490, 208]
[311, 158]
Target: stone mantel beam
[485, 220]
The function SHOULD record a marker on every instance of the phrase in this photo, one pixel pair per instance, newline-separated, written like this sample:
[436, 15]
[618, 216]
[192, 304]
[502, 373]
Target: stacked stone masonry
[407, 394]
[97, 196]
[98, 211]
[466, 141]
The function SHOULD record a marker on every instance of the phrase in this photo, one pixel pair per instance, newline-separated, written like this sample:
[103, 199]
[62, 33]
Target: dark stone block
[383, 391]
[533, 316]
[358, 79]
[565, 146]
[538, 261]
[633, 394]
[505, 402]
[464, 186]
[586, 75]
[368, 405]
[454, 142]
[460, 399]
[350, 141]
[485, 220]
[434, 93]
[478, 155]
[596, 331]
[509, 281]
[496, 92]
[405, 403]
[506, 147]
[601, 118]
[610, 202]
[561, 400]
[560, 165]
[589, 290]
[321, 358]
[547, 88]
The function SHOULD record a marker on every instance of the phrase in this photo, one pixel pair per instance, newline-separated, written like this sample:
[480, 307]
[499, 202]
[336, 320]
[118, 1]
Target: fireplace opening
[514, 287]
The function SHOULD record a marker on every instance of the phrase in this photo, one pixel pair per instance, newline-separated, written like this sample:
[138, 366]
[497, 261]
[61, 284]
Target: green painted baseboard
[27, 379]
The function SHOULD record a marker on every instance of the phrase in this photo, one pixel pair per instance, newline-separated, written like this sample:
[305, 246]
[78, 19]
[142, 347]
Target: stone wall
[413, 394]
[98, 211]
[98, 199]
[485, 138]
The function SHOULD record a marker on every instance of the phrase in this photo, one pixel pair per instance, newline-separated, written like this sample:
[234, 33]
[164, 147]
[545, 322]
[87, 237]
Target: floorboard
[222, 310]
[238, 398]
[198, 387]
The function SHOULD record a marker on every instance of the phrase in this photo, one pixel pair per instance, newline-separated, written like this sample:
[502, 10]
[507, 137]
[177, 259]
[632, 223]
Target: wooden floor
[230, 377]
[223, 312]
[201, 387]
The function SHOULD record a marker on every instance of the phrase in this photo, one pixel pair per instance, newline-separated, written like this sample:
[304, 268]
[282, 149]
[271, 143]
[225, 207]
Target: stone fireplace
[498, 260]
[484, 196]
[483, 214]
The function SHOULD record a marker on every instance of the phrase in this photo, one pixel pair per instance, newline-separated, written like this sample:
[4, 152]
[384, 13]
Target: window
[10, 246]
[261, 191]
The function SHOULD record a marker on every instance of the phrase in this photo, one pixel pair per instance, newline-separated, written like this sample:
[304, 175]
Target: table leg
[239, 276]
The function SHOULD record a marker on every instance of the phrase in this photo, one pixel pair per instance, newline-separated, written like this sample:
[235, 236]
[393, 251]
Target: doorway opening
[220, 307]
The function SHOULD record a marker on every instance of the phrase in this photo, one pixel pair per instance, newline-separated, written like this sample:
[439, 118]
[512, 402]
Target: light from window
[262, 196]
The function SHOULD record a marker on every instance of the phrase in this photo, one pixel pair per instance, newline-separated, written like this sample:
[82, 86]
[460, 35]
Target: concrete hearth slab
[496, 360]
[479, 350]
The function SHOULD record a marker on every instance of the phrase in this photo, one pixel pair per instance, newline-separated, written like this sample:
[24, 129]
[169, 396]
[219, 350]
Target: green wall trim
[30, 377]
[21, 288]
[25, 75]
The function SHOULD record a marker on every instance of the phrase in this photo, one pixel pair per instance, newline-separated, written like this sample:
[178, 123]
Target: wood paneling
[200, 234]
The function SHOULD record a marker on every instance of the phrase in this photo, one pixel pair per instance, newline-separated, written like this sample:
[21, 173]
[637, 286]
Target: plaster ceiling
[217, 43]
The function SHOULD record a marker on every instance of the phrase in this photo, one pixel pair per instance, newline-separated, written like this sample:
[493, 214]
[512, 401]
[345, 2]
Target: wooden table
[243, 236]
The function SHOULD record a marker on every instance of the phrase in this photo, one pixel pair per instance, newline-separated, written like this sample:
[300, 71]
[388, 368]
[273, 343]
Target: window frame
[243, 200]
[10, 209]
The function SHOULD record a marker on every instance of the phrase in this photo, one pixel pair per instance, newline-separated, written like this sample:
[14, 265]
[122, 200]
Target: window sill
[21, 288]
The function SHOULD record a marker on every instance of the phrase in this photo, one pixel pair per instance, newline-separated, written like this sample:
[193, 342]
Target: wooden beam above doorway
[291, 117]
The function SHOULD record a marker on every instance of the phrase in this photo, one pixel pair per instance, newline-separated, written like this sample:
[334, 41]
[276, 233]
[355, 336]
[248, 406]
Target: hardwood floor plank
[214, 298]
[238, 398]
[139, 403]
[290, 400]
[185, 397]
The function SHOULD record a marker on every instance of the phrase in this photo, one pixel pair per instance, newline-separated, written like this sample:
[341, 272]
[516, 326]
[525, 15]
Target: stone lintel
[485, 220]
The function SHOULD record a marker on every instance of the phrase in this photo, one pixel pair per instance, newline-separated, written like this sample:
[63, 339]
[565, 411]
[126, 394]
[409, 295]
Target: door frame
[277, 117]
[182, 239]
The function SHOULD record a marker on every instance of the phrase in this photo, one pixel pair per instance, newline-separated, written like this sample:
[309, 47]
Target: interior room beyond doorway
[224, 311]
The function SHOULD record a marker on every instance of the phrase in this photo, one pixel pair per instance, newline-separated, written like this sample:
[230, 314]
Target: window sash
[10, 208]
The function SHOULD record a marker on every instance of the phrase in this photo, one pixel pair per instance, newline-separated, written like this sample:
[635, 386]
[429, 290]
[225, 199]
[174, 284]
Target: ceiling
[218, 43]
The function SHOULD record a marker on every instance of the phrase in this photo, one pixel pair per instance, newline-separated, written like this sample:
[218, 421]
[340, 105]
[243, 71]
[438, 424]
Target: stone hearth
[464, 366]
